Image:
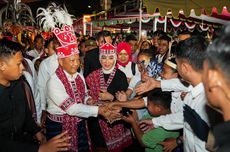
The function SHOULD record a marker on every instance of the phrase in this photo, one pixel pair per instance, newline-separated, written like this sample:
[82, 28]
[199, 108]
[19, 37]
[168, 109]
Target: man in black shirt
[17, 127]
[91, 60]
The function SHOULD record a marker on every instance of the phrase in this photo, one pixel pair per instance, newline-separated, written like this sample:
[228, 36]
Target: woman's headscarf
[124, 46]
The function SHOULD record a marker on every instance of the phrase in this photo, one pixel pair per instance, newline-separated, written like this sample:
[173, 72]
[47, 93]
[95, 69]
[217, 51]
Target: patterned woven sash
[76, 92]
[104, 85]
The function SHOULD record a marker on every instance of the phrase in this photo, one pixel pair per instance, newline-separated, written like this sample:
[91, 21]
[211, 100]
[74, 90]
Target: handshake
[112, 113]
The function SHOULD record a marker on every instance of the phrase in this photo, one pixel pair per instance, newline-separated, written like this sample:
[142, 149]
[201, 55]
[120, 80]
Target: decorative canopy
[163, 6]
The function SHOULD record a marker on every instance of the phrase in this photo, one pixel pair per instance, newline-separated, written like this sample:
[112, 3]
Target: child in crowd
[143, 57]
[158, 103]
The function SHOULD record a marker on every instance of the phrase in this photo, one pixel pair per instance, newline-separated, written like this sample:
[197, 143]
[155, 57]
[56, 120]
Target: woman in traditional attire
[103, 84]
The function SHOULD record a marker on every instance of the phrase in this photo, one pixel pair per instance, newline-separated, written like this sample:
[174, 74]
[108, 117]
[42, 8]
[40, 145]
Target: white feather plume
[52, 16]
[68, 18]
[59, 16]
[46, 20]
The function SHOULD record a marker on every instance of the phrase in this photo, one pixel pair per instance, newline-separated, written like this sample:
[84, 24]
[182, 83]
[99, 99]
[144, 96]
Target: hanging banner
[145, 20]
[160, 20]
[204, 28]
[190, 26]
[175, 23]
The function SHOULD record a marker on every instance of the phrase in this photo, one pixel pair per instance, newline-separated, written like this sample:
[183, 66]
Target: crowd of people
[65, 92]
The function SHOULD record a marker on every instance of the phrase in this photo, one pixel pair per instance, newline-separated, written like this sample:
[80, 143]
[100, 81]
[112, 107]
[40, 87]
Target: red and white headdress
[57, 20]
[108, 49]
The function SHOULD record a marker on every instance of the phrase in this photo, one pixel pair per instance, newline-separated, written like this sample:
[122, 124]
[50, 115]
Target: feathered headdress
[57, 20]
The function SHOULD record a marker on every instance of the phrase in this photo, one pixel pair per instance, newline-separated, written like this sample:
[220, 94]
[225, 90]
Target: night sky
[76, 7]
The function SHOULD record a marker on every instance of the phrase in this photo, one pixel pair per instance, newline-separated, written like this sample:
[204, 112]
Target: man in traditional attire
[67, 95]
[17, 127]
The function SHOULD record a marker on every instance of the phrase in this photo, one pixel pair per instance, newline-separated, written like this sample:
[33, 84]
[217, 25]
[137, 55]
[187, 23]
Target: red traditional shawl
[76, 95]
[117, 137]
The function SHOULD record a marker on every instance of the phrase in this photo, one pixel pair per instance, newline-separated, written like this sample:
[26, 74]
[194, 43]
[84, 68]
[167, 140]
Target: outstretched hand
[146, 86]
[105, 95]
[57, 143]
[121, 96]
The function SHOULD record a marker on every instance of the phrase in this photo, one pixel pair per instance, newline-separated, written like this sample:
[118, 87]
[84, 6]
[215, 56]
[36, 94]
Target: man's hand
[109, 114]
[146, 86]
[121, 96]
[90, 101]
[40, 137]
[146, 125]
[57, 143]
[169, 144]
[105, 95]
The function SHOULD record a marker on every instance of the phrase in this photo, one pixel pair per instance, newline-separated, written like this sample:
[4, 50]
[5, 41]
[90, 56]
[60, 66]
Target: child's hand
[121, 96]
[169, 144]
[146, 125]
[130, 119]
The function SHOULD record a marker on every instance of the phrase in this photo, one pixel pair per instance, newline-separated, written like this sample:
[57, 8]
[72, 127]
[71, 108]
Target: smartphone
[126, 111]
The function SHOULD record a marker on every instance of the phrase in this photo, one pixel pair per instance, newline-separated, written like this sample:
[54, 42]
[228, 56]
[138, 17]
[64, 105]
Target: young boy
[158, 103]
[15, 117]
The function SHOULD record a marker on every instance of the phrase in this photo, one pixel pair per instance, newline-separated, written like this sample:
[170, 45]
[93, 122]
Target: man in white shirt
[46, 69]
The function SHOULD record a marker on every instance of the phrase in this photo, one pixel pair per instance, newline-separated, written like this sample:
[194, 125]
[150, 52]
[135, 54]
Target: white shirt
[46, 69]
[128, 70]
[56, 94]
[177, 87]
[32, 80]
[196, 99]
[34, 53]
[134, 80]
[173, 85]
